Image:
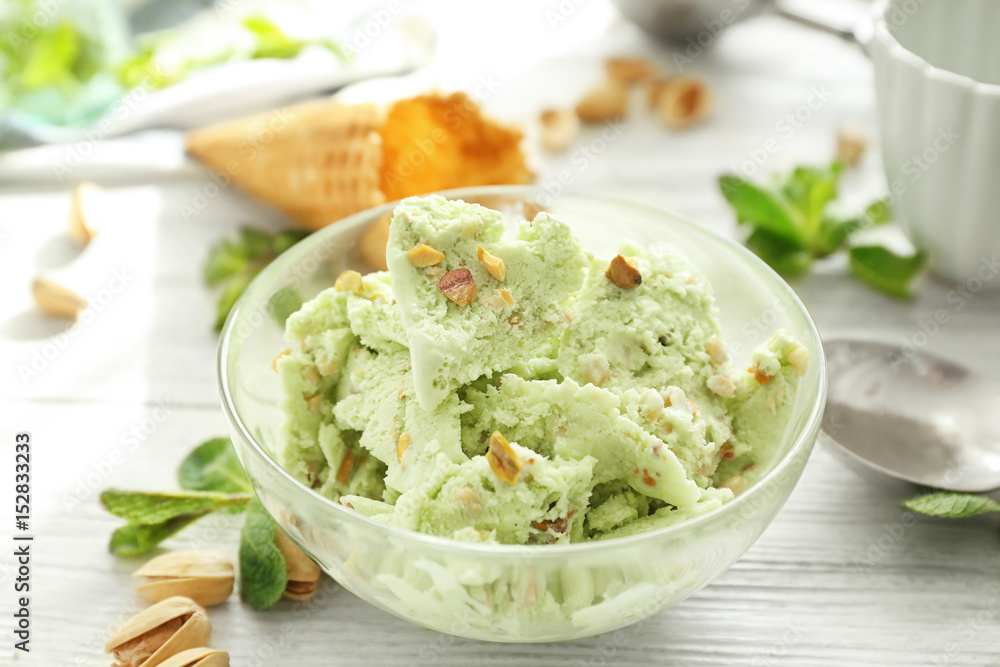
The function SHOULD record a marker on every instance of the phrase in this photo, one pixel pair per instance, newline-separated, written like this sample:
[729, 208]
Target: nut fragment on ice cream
[459, 286]
[423, 256]
[348, 281]
[604, 406]
[493, 265]
[799, 359]
[504, 461]
[624, 272]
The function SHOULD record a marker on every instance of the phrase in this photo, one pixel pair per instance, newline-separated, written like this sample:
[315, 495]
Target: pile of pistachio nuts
[175, 631]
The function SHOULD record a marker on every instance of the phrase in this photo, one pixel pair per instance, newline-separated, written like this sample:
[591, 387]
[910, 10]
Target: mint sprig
[213, 481]
[791, 224]
[950, 505]
[232, 263]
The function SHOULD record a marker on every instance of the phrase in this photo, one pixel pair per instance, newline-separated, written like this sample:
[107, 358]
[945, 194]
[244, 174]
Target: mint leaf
[153, 517]
[263, 576]
[286, 240]
[213, 466]
[885, 270]
[878, 212]
[226, 259]
[833, 233]
[135, 539]
[809, 190]
[255, 242]
[762, 209]
[150, 509]
[230, 295]
[233, 263]
[779, 254]
[952, 505]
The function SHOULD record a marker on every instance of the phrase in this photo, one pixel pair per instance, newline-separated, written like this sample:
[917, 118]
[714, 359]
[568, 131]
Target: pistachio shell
[198, 657]
[150, 618]
[194, 633]
[204, 576]
[303, 573]
[159, 632]
[87, 211]
[203, 590]
[190, 563]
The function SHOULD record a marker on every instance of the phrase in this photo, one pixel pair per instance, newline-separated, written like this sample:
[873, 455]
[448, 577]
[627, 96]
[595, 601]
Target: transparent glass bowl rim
[290, 257]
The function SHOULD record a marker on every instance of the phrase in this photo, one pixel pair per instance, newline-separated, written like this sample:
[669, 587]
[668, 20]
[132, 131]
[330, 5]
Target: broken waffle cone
[323, 161]
[438, 142]
[317, 162]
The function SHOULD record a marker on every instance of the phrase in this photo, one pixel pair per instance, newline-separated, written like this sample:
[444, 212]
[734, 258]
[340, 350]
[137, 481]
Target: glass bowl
[515, 593]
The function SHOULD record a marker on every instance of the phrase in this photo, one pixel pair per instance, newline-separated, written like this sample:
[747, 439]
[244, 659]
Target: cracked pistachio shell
[160, 632]
[198, 657]
[303, 573]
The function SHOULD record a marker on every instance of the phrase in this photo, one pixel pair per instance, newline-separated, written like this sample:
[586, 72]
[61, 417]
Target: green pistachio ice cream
[504, 385]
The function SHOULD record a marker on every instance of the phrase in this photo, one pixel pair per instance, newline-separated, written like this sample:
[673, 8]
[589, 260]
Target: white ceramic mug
[937, 82]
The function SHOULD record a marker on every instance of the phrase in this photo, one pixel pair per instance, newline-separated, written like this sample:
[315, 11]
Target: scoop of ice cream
[537, 396]
[453, 337]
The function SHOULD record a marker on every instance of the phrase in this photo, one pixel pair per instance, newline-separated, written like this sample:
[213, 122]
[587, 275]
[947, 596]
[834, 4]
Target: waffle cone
[316, 162]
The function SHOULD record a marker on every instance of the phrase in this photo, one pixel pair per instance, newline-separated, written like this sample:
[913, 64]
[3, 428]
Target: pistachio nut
[198, 657]
[303, 573]
[202, 575]
[159, 632]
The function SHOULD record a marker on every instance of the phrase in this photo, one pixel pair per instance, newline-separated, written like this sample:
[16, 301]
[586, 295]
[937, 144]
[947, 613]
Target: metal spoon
[913, 416]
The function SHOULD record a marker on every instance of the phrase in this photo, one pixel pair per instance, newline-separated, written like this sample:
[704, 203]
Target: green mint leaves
[233, 263]
[949, 505]
[213, 481]
[791, 225]
[153, 517]
[263, 575]
[213, 466]
[886, 271]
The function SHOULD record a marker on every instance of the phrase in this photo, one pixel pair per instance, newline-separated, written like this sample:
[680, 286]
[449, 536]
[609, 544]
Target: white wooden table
[842, 577]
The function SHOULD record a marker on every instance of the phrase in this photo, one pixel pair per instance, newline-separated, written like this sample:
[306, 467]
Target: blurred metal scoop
[913, 416]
